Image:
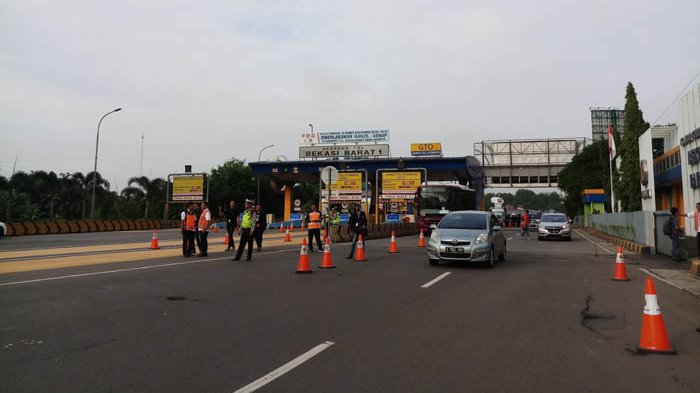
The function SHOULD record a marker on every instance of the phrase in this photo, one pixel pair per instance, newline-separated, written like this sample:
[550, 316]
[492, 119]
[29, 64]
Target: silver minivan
[467, 236]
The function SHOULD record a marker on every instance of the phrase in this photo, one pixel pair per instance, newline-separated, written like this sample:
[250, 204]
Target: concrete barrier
[53, 227]
[83, 226]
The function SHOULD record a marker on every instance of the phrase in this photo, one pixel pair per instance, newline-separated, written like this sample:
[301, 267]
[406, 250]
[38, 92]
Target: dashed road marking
[264, 380]
[436, 279]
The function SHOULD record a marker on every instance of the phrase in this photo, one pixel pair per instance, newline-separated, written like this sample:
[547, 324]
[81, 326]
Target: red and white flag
[611, 144]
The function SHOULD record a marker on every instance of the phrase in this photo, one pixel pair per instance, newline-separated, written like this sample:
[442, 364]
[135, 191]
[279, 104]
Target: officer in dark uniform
[231, 215]
[260, 226]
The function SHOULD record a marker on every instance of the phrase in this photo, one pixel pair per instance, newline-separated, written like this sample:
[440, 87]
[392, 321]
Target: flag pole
[610, 158]
[612, 193]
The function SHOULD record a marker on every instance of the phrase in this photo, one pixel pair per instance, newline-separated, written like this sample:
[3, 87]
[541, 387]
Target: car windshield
[463, 221]
[553, 218]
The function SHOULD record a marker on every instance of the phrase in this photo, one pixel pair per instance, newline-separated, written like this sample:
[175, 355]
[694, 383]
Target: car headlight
[481, 238]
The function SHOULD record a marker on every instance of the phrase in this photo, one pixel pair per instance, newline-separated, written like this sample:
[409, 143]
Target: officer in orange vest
[188, 227]
[313, 222]
[203, 228]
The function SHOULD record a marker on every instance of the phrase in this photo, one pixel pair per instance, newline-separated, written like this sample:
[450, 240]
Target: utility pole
[141, 162]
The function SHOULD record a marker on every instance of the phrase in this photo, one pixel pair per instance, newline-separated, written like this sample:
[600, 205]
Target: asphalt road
[549, 319]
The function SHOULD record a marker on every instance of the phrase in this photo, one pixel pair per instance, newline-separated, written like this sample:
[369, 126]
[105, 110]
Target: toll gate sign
[347, 188]
[400, 185]
[426, 149]
[188, 188]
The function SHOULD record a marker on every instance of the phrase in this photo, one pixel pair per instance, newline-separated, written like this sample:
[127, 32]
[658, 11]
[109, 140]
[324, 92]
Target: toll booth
[388, 196]
[593, 202]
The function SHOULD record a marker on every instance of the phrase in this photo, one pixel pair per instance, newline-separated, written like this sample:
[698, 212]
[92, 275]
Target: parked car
[467, 236]
[3, 229]
[535, 216]
[554, 225]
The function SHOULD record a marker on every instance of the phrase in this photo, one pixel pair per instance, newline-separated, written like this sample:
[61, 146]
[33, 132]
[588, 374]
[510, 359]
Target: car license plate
[455, 249]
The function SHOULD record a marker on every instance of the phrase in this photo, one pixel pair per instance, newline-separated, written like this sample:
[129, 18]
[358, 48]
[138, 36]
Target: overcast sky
[206, 81]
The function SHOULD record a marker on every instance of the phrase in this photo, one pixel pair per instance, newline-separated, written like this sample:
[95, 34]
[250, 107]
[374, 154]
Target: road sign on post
[329, 175]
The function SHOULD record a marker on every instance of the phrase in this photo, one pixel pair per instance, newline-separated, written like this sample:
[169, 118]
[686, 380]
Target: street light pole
[94, 171]
[260, 153]
[312, 127]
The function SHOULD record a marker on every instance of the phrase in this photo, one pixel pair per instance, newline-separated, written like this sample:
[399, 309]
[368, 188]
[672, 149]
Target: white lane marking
[650, 273]
[594, 243]
[264, 380]
[129, 269]
[436, 279]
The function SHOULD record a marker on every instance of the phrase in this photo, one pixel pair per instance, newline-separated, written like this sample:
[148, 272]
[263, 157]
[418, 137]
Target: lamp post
[312, 127]
[258, 195]
[94, 171]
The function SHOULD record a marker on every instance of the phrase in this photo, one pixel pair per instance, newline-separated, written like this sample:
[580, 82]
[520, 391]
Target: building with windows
[601, 118]
[670, 161]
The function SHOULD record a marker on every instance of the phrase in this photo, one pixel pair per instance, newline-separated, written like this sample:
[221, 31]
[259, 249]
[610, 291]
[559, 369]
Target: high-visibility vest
[314, 220]
[203, 220]
[247, 221]
[190, 224]
[336, 219]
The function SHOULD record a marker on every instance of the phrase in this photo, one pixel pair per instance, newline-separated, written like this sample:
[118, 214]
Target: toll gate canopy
[464, 170]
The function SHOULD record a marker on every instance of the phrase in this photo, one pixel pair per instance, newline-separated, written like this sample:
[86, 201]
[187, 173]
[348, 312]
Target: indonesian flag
[611, 144]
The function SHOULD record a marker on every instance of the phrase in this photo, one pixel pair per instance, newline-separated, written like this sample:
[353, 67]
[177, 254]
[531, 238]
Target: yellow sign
[400, 181]
[426, 149]
[348, 181]
[188, 188]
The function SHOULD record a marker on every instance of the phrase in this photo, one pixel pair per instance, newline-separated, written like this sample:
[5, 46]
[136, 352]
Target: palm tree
[151, 192]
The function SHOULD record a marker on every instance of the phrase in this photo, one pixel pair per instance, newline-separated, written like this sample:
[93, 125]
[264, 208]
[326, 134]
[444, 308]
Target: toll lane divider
[84, 226]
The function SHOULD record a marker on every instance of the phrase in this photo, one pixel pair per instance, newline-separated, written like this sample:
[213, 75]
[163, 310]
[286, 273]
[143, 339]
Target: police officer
[260, 226]
[231, 223]
[245, 231]
[357, 225]
[203, 229]
[313, 222]
[187, 228]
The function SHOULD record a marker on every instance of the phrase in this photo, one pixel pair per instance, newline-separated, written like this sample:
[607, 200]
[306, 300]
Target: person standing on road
[231, 223]
[260, 226]
[526, 224]
[696, 215]
[187, 228]
[203, 229]
[672, 229]
[313, 222]
[246, 231]
[357, 225]
[197, 213]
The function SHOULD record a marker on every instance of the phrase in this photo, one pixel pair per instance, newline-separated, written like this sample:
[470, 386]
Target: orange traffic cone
[620, 269]
[393, 247]
[227, 240]
[302, 226]
[216, 228]
[421, 239]
[327, 261]
[360, 252]
[291, 227]
[282, 227]
[325, 234]
[287, 237]
[303, 265]
[154, 240]
[653, 337]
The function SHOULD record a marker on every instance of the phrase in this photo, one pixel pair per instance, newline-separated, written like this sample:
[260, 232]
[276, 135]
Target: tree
[588, 169]
[231, 180]
[147, 193]
[629, 192]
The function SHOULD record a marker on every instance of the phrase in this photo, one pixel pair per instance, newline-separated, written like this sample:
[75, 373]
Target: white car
[553, 226]
[3, 229]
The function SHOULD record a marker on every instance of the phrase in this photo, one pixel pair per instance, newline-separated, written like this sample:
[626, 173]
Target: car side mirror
[433, 226]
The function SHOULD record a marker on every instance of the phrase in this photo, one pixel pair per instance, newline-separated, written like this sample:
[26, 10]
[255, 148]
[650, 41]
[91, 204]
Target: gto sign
[426, 149]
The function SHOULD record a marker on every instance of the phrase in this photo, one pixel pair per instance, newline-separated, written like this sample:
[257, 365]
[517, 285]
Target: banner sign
[426, 149]
[188, 188]
[400, 185]
[366, 136]
[347, 188]
[344, 151]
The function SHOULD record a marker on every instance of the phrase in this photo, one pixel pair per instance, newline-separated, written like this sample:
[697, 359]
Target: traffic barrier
[154, 240]
[92, 226]
[16, 229]
[360, 250]
[303, 264]
[63, 227]
[73, 226]
[393, 247]
[653, 338]
[132, 225]
[421, 239]
[109, 226]
[83, 226]
[53, 228]
[30, 228]
[620, 269]
[327, 261]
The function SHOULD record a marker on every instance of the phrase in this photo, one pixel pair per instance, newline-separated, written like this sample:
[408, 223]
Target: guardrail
[85, 226]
